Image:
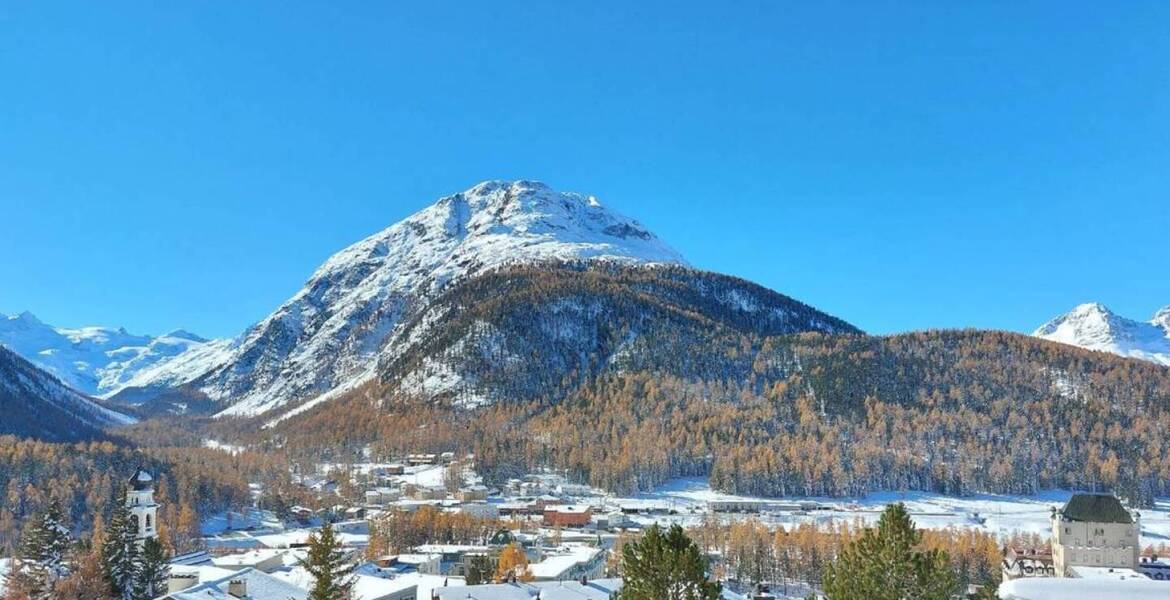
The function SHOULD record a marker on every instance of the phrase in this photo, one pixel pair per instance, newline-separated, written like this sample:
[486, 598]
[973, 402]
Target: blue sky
[902, 165]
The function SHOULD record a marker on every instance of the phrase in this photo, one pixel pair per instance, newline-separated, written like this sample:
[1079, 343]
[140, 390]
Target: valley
[570, 357]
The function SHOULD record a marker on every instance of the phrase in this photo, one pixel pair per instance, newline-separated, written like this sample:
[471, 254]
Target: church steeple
[140, 502]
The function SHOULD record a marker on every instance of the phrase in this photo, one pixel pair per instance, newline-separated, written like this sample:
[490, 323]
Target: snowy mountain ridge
[36, 404]
[333, 330]
[99, 361]
[1093, 326]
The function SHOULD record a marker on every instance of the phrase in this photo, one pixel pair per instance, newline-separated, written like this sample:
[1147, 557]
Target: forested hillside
[86, 478]
[35, 404]
[540, 331]
[815, 414]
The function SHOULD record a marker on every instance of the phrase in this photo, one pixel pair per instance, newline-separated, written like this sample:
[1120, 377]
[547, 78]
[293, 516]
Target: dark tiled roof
[1097, 508]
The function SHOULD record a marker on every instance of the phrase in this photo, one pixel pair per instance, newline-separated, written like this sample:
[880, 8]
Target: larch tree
[513, 564]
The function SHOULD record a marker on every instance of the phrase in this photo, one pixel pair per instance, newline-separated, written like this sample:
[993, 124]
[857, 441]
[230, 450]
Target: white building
[140, 502]
[600, 589]
[247, 584]
[1094, 530]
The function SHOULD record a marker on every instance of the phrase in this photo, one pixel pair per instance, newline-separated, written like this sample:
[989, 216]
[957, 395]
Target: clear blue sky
[902, 165]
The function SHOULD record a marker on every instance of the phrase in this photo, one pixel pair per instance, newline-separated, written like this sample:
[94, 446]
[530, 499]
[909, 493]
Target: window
[1067, 531]
[148, 522]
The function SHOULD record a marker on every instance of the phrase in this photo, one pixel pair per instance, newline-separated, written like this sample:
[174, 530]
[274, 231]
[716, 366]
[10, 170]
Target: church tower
[140, 501]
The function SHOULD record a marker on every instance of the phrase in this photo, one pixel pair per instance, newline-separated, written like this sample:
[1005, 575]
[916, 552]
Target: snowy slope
[1095, 327]
[36, 404]
[331, 332]
[95, 360]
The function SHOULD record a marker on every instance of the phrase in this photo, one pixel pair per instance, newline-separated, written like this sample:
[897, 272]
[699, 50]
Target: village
[543, 537]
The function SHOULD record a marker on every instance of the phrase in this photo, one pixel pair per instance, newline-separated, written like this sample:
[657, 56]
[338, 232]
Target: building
[247, 584]
[265, 560]
[475, 493]
[1027, 562]
[569, 563]
[600, 589]
[140, 502]
[1092, 583]
[480, 510]
[1094, 530]
[567, 516]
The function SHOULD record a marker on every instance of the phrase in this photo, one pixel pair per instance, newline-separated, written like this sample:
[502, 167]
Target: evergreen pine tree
[887, 563]
[331, 575]
[150, 570]
[665, 566]
[479, 570]
[41, 557]
[120, 550]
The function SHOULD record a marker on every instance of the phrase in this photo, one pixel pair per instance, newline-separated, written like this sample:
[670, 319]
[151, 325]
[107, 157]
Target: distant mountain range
[1094, 327]
[98, 361]
[351, 316]
[540, 329]
[508, 291]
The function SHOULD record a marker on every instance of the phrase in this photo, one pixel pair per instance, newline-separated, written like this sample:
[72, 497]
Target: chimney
[238, 588]
[178, 582]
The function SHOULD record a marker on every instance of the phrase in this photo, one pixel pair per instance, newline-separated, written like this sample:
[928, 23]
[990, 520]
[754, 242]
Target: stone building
[1094, 530]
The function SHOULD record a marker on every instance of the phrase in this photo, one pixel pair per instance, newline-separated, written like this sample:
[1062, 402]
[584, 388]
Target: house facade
[1094, 530]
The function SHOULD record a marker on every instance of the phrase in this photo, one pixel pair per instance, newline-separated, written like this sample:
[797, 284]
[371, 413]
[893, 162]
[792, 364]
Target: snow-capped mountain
[99, 361]
[334, 328]
[332, 333]
[1095, 327]
[36, 404]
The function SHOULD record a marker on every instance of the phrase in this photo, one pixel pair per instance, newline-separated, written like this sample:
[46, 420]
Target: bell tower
[140, 502]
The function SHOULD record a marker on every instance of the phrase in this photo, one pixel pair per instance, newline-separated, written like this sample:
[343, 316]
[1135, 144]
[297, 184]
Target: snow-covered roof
[1136, 587]
[249, 558]
[365, 587]
[569, 510]
[599, 589]
[260, 586]
[555, 565]
[141, 480]
[449, 548]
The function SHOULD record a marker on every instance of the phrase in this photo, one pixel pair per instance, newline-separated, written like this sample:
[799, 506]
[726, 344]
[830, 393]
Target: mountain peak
[500, 222]
[543, 217]
[1162, 319]
[26, 318]
[1092, 325]
[1089, 308]
[183, 334]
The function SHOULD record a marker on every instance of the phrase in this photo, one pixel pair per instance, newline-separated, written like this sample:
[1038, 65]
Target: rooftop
[260, 586]
[1095, 508]
[599, 589]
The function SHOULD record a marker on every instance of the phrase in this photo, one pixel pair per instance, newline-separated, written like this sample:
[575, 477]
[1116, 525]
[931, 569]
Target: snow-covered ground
[420, 475]
[998, 514]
